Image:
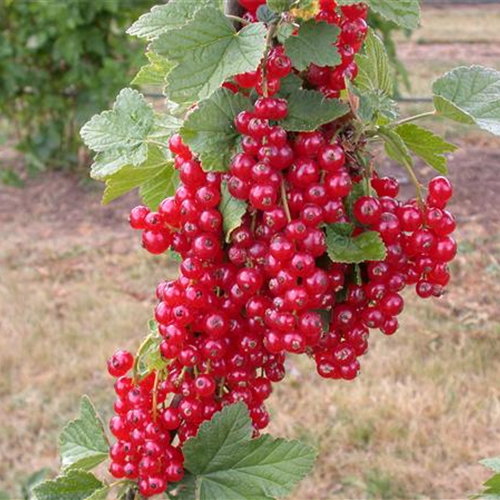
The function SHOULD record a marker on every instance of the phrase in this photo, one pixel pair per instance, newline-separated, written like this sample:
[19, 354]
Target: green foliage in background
[386, 30]
[61, 61]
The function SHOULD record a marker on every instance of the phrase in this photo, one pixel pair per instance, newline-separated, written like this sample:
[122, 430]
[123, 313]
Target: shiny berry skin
[156, 242]
[367, 210]
[440, 189]
[137, 218]
[120, 363]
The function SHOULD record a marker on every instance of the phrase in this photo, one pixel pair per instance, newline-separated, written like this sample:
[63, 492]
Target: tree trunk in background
[232, 7]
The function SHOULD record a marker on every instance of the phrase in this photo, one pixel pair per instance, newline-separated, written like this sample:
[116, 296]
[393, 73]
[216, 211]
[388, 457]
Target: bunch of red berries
[244, 301]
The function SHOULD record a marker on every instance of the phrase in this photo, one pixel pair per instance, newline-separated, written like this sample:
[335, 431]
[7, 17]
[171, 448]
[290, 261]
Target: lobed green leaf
[314, 44]
[163, 18]
[208, 50]
[155, 73]
[426, 145]
[209, 130]
[347, 249]
[309, 109]
[375, 72]
[405, 13]
[229, 465]
[232, 211]
[74, 485]
[395, 147]
[119, 135]
[470, 95]
[130, 177]
[83, 443]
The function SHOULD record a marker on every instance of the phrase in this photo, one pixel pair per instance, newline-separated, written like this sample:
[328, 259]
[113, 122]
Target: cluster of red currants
[245, 300]
[351, 19]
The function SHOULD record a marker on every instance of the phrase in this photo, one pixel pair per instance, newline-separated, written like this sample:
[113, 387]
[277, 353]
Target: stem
[269, 43]
[414, 118]
[284, 201]
[416, 183]
[238, 19]
[155, 395]
[137, 358]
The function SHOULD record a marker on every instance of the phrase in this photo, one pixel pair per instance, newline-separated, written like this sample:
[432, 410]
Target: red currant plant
[260, 178]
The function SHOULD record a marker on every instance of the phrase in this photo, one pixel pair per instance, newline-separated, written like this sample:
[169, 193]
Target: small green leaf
[232, 211]
[492, 489]
[119, 135]
[32, 482]
[163, 18]
[74, 485]
[280, 6]
[290, 84]
[266, 15]
[470, 95]
[157, 188]
[229, 465]
[395, 147]
[130, 177]
[405, 13]
[314, 43]
[210, 130]
[208, 50]
[491, 463]
[83, 443]
[375, 106]
[374, 68]
[148, 357]
[285, 31]
[428, 146]
[155, 73]
[347, 249]
[309, 109]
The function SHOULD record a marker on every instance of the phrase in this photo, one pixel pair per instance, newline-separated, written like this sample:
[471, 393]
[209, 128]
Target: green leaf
[285, 31]
[163, 185]
[74, 485]
[309, 109]
[232, 211]
[156, 166]
[374, 68]
[119, 135]
[395, 147]
[32, 482]
[491, 463]
[148, 357]
[428, 146]
[375, 107]
[210, 130]
[229, 465]
[405, 13]
[314, 43]
[155, 73]
[343, 247]
[280, 6]
[208, 51]
[266, 15]
[163, 18]
[164, 127]
[83, 443]
[492, 489]
[470, 95]
[290, 84]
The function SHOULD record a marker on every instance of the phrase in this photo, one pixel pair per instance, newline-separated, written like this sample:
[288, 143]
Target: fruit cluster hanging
[244, 301]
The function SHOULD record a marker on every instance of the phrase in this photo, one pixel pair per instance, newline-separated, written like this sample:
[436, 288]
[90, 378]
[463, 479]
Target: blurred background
[75, 284]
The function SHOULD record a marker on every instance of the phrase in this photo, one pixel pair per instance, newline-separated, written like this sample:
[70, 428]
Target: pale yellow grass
[414, 425]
